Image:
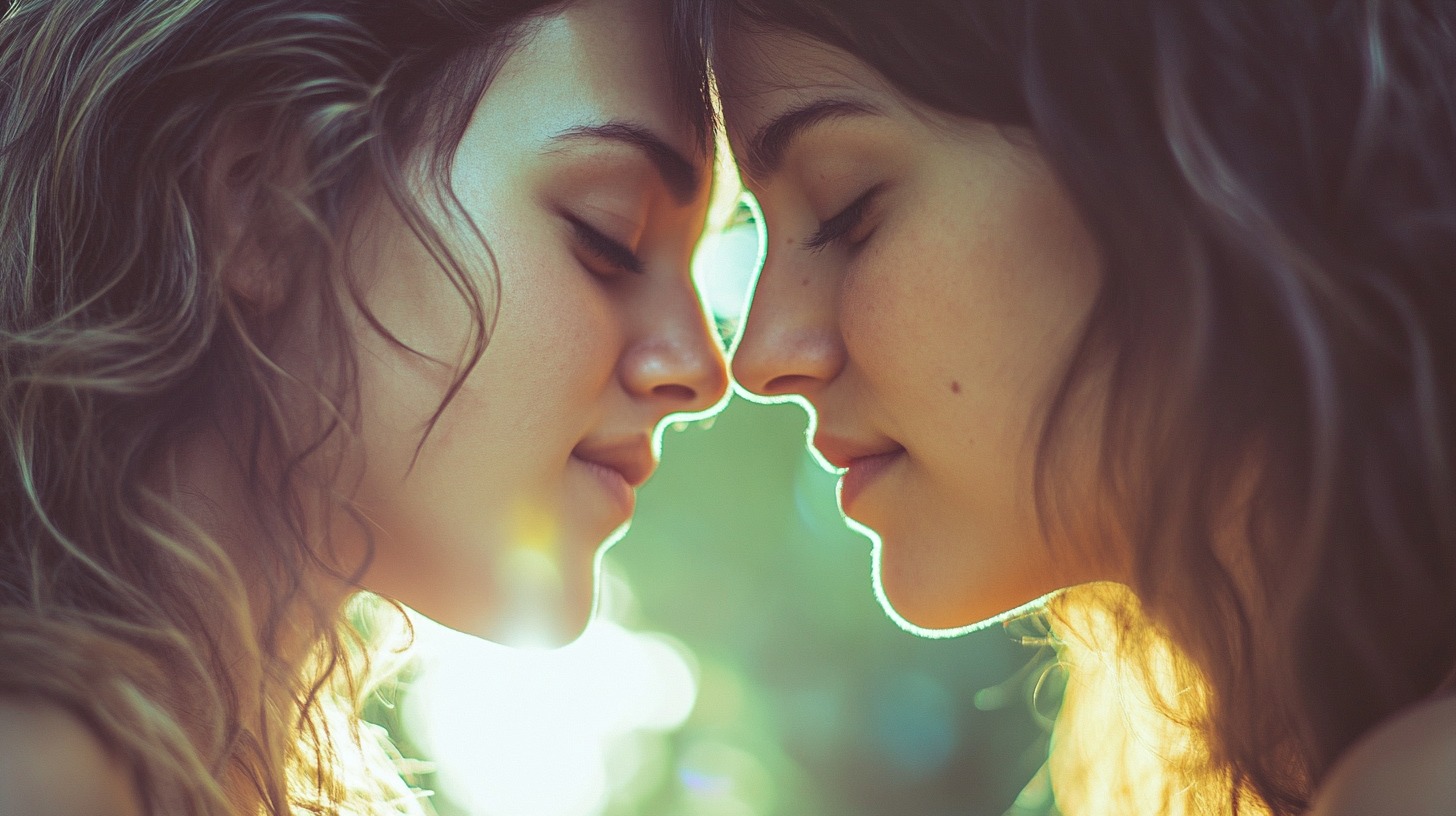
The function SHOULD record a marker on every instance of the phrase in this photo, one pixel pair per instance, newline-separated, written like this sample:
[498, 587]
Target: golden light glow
[547, 732]
[1115, 747]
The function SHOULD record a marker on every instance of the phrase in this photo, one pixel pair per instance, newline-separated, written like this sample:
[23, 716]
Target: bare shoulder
[1403, 766]
[50, 762]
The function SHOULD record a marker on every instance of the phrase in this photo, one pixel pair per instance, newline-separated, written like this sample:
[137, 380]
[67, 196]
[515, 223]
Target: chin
[535, 634]
[921, 613]
[928, 596]
[534, 626]
[526, 609]
[949, 618]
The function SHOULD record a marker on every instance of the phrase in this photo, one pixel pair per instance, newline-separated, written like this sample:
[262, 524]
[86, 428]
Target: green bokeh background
[740, 551]
[811, 702]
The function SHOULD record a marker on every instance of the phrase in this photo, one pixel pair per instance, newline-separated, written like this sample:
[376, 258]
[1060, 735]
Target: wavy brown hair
[1273, 186]
[119, 335]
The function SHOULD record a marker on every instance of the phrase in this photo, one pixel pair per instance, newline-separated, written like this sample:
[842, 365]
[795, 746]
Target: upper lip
[632, 457]
[842, 453]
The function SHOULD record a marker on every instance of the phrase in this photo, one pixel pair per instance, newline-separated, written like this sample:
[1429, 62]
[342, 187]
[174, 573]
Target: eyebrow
[680, 175]
[767, 148]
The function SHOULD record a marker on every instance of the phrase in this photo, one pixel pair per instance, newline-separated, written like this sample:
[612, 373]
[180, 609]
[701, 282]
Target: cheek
[916, 327]
[974, 316]
[557, 336]
[960, 334]
[550, 352]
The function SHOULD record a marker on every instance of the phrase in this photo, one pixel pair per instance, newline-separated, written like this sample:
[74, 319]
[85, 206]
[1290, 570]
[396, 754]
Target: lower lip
[614, 483]
[861, 473]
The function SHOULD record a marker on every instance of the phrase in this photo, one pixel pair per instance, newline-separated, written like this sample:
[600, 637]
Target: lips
[619, 467]
[863, 463]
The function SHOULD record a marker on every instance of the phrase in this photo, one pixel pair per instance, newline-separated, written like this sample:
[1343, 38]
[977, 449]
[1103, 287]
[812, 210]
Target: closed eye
[843, 223]
[604, 248]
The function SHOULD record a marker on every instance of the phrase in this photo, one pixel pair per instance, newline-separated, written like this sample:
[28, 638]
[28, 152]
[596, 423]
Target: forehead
[763, 72]
[595, 61]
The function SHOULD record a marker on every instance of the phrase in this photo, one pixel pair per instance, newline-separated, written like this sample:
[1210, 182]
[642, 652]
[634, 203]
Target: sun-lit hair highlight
[1130, 733]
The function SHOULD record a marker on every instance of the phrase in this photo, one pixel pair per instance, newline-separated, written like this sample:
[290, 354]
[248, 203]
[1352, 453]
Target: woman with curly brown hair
[1101, 293]
[304, 297]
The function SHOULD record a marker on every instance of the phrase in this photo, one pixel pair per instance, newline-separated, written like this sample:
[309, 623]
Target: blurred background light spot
[915, 722]
[518, 732]
[704, 784]
[813, 713]
[726, 263]
[722, 778]
[720, 699]
[991, 699]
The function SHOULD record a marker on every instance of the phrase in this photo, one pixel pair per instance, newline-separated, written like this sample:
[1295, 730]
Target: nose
[791, 342]
[676, 362]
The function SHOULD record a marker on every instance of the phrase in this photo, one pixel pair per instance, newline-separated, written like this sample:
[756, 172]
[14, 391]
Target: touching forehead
[773, 82]
[778, 63]
[762, 72]
[596, 61]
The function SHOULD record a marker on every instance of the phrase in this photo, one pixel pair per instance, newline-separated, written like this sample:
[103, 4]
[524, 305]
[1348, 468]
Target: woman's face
[926, 279]
[591, 193]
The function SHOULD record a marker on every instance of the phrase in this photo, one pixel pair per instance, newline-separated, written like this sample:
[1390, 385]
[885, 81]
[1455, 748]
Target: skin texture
[931, 331]
[493, 525]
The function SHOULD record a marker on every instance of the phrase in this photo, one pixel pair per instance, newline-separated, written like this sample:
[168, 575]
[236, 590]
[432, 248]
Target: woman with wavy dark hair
[1104, 293]
[303, 297]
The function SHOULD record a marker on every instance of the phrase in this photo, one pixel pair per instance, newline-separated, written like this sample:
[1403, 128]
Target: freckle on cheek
[804, 282]
[955, 387]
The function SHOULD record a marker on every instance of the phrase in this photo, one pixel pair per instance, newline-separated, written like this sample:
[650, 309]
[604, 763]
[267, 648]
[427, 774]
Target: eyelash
[843, 223]
[605, 248]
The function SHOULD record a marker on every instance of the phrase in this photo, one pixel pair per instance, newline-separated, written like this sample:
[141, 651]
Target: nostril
[787, 384]
[675, 393]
